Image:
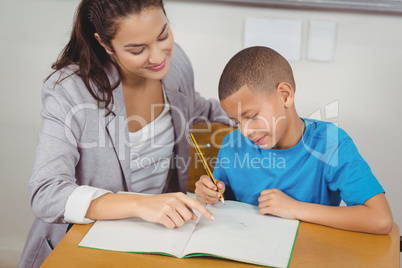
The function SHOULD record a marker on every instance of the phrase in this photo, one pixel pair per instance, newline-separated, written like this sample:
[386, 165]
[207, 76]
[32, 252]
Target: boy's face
[260, 117]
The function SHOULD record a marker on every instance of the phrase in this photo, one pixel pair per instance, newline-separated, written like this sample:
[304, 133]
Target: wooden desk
[316, 246]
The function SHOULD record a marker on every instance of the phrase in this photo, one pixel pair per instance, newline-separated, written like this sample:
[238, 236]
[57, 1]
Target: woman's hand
[172, 209]
[206, 190]
[275, 202]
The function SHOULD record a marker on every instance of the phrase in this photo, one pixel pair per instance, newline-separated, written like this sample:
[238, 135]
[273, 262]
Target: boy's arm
[374, 216]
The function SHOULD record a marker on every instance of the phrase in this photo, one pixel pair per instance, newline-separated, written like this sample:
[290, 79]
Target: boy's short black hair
[260, 68]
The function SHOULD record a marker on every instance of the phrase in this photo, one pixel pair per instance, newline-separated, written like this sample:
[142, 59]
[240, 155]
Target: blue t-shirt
[322, 168]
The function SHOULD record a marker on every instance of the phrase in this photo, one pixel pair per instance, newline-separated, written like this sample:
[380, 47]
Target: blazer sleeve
[53, 178]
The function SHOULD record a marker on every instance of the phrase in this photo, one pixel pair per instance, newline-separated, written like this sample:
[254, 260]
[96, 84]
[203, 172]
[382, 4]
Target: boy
[289, 166]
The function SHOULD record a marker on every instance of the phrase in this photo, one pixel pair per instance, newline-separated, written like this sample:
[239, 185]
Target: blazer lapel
[178, 102]
[117, 129]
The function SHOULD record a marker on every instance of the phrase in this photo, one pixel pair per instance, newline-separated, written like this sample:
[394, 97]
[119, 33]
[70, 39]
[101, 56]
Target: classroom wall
[364, 78]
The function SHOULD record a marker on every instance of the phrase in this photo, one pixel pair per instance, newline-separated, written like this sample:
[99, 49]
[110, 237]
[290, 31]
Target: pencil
[205, 165]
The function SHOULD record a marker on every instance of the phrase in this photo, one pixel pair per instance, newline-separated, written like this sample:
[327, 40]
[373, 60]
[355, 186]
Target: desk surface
[316, 246]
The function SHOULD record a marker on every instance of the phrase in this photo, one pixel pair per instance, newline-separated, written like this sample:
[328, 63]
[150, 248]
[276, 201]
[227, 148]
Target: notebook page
[241, 233]
[137, 235]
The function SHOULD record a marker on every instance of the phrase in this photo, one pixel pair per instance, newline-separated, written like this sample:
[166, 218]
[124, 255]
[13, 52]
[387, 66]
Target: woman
[115, 118]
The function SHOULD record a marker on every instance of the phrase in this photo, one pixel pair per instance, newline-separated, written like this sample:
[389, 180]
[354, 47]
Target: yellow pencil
[205, 165]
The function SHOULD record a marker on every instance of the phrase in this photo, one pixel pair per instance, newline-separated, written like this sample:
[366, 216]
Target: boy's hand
[206, 191]
[275, 202]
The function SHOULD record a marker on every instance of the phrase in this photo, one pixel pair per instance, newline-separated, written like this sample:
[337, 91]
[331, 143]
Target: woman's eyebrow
[163, 29]
[140, 45]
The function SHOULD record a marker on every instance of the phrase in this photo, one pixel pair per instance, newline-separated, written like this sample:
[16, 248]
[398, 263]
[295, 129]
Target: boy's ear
[286, 93]
[108, 50]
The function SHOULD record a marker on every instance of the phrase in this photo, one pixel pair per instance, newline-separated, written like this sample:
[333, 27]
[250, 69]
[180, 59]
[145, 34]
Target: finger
[263, 204]
[267, 194]
[209, 193]
[194, 217]
[195, 204]
[266, 210]
[263, 198]
[171, 205]
[206, 180]
[167, 222]
[200, 194]
[271, 191]
[211, 200]
[185, 213]
[221, 186]
[176, 218]
[201, 198]
[267, 191]
[266, 207]
[204, 192]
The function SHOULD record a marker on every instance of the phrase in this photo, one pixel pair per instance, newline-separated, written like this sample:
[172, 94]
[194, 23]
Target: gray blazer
[79, 145]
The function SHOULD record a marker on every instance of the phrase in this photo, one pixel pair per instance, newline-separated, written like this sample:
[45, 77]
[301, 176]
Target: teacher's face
[143, 45]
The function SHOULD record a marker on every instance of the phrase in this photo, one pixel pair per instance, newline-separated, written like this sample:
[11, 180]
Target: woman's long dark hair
[83, 50]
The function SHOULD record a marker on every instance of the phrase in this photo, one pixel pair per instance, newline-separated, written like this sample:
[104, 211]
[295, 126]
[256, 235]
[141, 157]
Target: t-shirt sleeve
[348, 173]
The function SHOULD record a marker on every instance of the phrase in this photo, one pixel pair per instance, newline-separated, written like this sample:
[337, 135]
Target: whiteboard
[392, 7]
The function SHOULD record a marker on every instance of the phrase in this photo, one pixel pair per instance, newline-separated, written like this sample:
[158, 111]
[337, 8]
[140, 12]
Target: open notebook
[239, 233]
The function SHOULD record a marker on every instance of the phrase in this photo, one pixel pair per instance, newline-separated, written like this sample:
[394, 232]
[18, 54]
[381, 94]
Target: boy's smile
[266, 119]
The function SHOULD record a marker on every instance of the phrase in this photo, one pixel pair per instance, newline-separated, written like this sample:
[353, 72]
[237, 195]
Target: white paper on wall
[321, 40]
[284, 36]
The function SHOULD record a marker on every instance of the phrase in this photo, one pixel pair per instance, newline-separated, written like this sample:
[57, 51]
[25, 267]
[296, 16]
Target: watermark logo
[111, 131]
[271, 161]
[330, 154]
